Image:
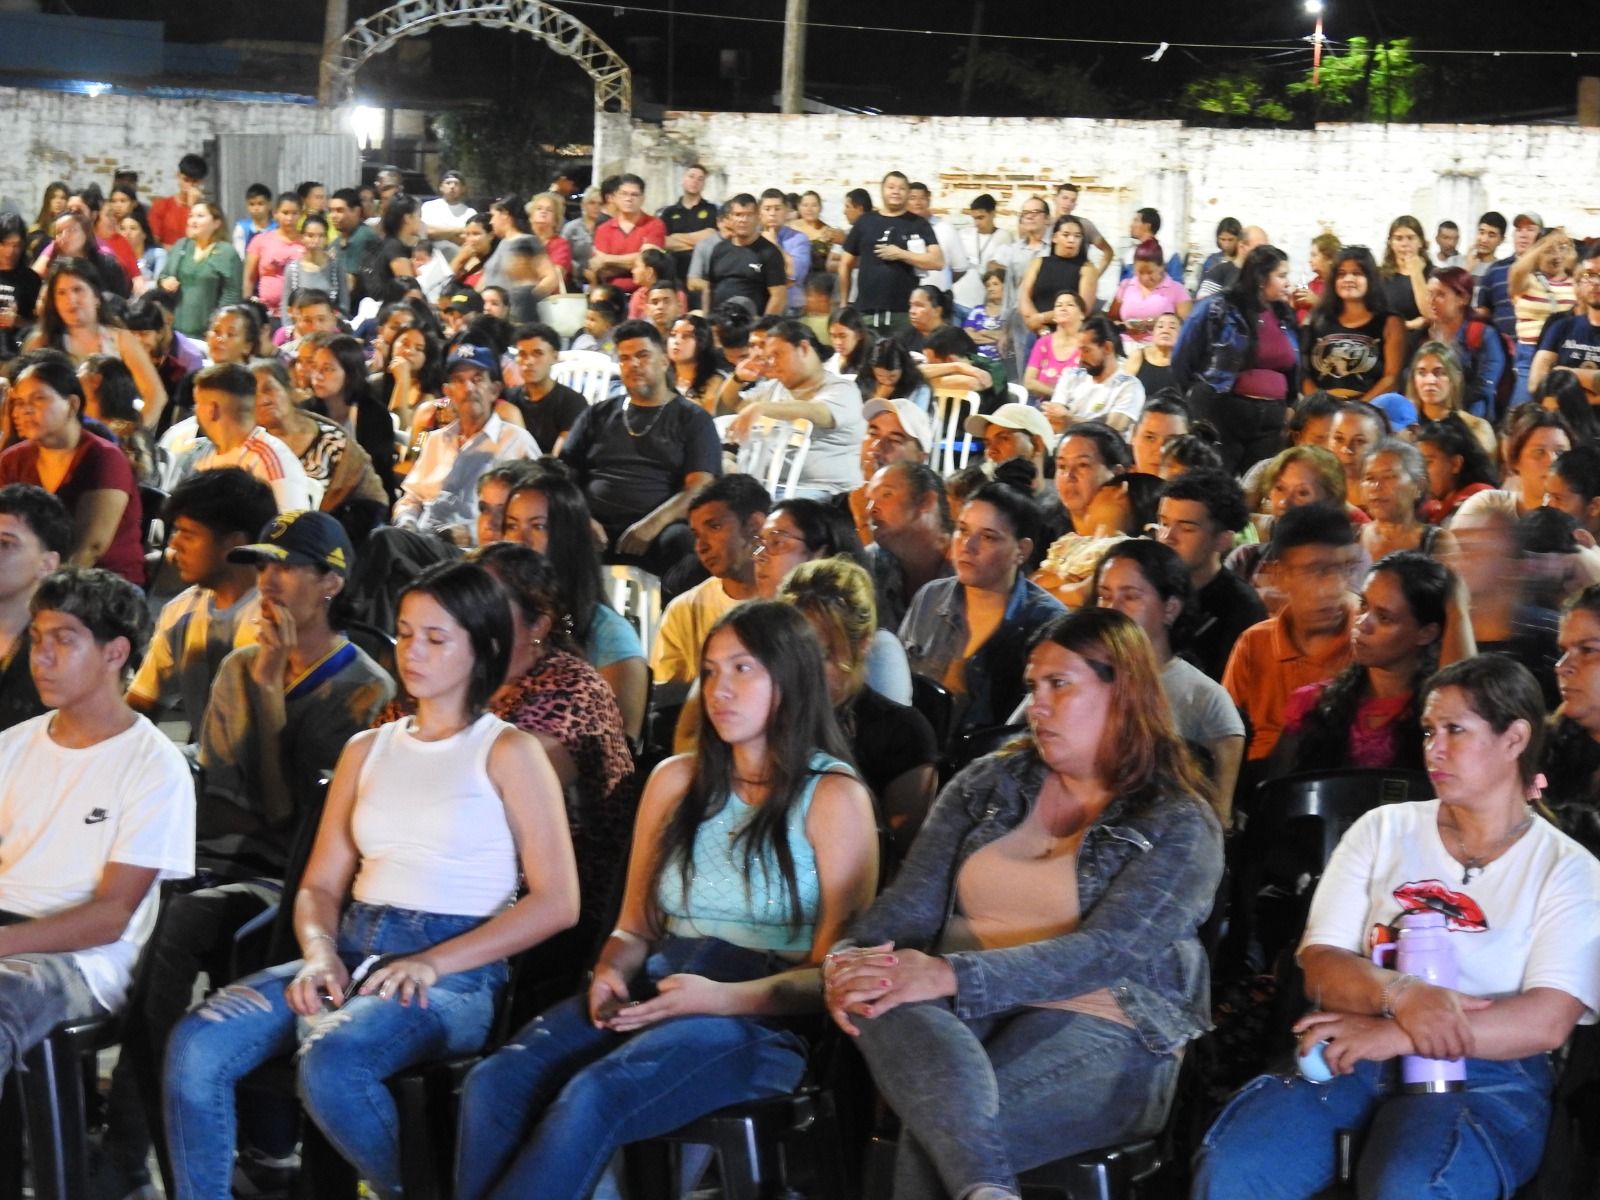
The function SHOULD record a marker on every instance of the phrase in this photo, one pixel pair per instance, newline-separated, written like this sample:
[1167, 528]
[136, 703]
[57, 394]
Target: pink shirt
[1043, 360]
[274, 253]
[1139, 305]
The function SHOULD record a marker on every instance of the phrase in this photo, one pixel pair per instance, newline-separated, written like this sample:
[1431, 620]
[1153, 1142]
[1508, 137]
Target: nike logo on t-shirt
[95, 817]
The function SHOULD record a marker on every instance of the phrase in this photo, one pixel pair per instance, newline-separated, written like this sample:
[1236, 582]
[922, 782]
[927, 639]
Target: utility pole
[969, 73]
[794, 56]
[335, 24]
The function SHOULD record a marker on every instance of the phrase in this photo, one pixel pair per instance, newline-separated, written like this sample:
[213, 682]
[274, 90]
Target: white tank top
[429, 824]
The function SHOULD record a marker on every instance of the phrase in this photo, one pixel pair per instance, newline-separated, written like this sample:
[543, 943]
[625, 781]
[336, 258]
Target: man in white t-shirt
[96, 808]
[981, 243]
[225, 407]
[1098, 389]
[445, 216]
[726, 516]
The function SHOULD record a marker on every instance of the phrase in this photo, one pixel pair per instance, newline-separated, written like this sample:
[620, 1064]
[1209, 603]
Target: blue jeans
[543, 1115]
[1522, 364]
[981, 1100]
[37, 993]
[344, 1057]
[1276, 1137]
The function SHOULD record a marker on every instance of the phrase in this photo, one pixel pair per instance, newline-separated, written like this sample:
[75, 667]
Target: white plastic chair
[636, 594]
[951, 445]
[775, 453]
[1017, 393]
[586, 371]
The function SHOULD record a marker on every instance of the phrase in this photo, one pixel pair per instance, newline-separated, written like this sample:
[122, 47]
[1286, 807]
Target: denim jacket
[935, 632]
[1213, 344]
[1147, 875]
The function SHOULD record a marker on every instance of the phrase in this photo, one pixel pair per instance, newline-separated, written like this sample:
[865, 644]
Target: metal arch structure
[562, 32]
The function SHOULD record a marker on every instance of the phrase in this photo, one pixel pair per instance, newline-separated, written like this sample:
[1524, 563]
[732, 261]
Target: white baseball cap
[912, 419]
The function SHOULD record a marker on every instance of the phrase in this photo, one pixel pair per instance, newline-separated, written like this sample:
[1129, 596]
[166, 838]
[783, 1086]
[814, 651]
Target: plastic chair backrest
[775, 453]
[1017, 393]
[934, 701]
[951, 445]
[586, 371]
[1335, 799]
[636, 594]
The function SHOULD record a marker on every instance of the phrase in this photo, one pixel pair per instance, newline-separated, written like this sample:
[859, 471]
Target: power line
[1144, 44]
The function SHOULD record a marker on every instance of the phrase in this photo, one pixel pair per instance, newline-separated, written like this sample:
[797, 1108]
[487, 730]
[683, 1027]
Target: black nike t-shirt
[745, 271]
[687, 218]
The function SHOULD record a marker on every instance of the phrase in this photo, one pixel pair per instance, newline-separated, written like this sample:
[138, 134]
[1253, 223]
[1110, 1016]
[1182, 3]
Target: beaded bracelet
[1392, 990]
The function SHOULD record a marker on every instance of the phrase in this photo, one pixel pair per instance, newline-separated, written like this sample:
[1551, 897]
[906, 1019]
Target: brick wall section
[63, 135]
[1353, 179]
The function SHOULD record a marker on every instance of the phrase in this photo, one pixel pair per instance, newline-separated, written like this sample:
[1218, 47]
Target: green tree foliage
[1004, 81]
[1364, 83]
[520, 144]
[1236, 95]
[1359, 83]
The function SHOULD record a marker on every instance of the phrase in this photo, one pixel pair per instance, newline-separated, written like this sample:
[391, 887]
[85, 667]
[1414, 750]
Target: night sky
[914, 73]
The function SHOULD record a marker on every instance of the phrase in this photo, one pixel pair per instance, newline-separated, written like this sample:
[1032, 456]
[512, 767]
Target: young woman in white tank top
[429, 821]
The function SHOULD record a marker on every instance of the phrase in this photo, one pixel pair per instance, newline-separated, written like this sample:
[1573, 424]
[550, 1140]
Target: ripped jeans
[37, 993]
[1276, 1137]
[344, 1057]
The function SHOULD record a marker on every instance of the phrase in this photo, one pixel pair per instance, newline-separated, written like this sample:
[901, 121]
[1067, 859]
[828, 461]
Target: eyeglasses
[774, 542]
[1589, 277]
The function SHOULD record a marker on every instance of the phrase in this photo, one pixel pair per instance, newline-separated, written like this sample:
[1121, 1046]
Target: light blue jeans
[1276, 1137]
[344, 1057]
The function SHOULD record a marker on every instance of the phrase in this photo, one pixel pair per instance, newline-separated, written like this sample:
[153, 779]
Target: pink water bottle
[1424, 949]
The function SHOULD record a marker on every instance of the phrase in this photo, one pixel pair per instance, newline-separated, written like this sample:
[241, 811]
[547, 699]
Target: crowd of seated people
[343, 576]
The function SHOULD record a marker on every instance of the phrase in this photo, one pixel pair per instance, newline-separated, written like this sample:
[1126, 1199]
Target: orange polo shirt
[1267, 667]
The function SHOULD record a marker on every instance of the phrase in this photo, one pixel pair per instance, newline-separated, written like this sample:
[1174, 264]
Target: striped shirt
[270, 461]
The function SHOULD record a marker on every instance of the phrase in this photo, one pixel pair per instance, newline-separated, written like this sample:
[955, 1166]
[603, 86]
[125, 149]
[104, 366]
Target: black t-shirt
[375, 273]
[19, 699]
[20, 287]
[1224, 608]
[749, 271]
[886, 286]
[680, 219]
[887, 739]
[1400, 296]
[549, 418]
[1342, 358]
[629, 461]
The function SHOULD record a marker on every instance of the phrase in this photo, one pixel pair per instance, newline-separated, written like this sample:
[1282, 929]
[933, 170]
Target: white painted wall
[1352, 179]
[77, 138]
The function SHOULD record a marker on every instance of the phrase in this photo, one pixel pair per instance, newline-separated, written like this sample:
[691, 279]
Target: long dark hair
[51, 327]
[850, 317]
[706, 359]
[1245, 294]
[1083, 239]
[118, 394]
[892, 356]
[1572, 402]
[347, 351]
[1572, 756]
[478, 603]
[533, 585]
[1426, 585]
[1453, 439]
[1330, 306]
[571, 546]
[1164, 571]
[826, 529]
[800, 724]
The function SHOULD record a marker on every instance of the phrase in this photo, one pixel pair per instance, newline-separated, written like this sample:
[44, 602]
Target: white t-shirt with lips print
[1530, 919]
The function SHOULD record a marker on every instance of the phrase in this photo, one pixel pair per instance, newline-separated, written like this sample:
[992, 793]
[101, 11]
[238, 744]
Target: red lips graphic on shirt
[1461, 910]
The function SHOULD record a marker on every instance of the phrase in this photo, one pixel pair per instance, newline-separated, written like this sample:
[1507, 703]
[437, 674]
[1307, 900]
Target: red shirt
[609, 238]
[169, 219]
[97, 466]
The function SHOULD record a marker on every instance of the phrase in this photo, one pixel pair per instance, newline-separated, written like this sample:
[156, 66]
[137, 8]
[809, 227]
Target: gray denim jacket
[1147, 875]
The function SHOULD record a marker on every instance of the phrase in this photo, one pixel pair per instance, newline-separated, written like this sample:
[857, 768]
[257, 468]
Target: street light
[1314, 8]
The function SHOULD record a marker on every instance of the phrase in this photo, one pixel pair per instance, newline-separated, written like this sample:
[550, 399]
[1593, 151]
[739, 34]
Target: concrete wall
[78, 138]
[1352, 179]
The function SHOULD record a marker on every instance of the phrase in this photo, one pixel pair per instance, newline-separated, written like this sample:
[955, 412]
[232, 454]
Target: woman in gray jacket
[1024, 988]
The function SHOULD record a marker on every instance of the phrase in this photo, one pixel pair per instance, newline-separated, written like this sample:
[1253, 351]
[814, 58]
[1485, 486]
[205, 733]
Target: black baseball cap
[300, 538]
